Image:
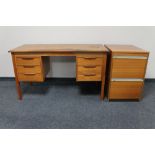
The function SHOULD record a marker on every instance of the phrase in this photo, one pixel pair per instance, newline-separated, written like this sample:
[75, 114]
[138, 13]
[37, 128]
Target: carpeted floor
[64, 104]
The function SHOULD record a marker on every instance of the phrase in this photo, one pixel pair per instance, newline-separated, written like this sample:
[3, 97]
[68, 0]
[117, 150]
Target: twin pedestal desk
[120, 68]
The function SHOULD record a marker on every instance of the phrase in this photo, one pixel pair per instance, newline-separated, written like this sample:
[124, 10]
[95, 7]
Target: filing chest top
[125, 48]
[60, 48]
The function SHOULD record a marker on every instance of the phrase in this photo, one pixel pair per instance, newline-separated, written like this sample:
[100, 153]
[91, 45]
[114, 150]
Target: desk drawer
[30, 77]
[125, 90]
[128, 68]
[89, 61]
[89, 77]
[29, 61]
[89, 69]
[29, 69]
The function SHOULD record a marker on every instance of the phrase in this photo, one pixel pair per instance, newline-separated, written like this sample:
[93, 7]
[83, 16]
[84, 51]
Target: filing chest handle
[129, 57]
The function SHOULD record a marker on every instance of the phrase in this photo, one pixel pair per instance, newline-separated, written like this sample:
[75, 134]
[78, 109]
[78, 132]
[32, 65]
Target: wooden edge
[142, 91]
[110, 72]
[103, 77]
[131, 52]
[59, 51]
[18, 88]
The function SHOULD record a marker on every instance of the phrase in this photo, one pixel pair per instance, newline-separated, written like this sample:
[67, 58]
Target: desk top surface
[59, 48]
[125, 48]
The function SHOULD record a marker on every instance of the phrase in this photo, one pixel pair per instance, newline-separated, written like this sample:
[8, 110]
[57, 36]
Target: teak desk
[31, 62]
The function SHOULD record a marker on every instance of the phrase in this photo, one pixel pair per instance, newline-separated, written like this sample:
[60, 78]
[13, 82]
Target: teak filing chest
[126, 71]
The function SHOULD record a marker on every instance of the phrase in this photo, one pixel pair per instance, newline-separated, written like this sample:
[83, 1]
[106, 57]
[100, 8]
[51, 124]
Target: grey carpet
[62, 104]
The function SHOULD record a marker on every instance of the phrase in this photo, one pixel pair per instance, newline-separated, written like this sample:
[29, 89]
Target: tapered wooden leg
[16, 78]
[103, 76]
[30, 83]
[102, 91]
[18, 90]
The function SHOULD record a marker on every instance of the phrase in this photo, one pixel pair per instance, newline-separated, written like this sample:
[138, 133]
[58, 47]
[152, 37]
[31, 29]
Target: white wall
[11, 37]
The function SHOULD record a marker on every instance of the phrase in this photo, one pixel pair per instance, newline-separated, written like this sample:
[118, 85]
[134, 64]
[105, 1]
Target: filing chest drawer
[128, 68]
[30, 77]
[89, 61]
[23, 60]
[29, 69]
[125, 90]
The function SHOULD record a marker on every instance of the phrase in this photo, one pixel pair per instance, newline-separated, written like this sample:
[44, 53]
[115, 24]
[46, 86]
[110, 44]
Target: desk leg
[16, 79]
[103, 77]
[18, 89]
[102, 91]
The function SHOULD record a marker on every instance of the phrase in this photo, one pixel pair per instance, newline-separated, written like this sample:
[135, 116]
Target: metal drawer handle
[129, 57]
[127, 79]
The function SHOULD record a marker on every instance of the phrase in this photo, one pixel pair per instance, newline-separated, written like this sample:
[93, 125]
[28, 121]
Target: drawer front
[89, 61]
[30, 77]
[29, 61]
[125, 90]
[88, 77]
[29, 69]
[89, 70]
[128, 68]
